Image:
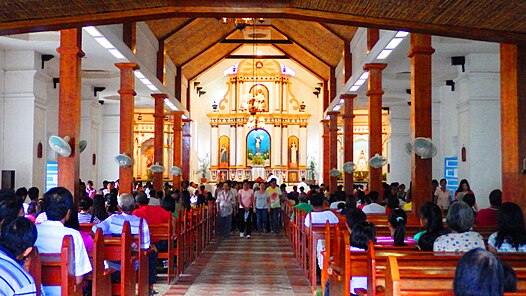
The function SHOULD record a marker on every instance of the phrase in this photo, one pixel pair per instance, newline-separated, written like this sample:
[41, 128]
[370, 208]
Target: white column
[479, 125]
[276, 146]
[214, 139]
[109, 143]
[233, 146]
[284, 146]
[303, 146]
[89, 131]
[399, 160]
[240, 145]
[24, 118]
[285, 98]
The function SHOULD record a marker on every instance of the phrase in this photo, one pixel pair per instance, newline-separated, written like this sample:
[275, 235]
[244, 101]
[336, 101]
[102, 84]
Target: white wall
[109, 144]
[399, 160]
[89, 131]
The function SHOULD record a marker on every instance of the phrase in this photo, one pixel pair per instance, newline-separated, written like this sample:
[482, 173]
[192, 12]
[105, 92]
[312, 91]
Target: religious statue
[293, 153]
[258, 144]
[362, 162]
[224, 154]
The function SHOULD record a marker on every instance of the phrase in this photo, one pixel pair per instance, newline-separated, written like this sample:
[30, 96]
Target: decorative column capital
[374, 66]
[420, 45]
[348, 96]
[160, 96]
[127, 66]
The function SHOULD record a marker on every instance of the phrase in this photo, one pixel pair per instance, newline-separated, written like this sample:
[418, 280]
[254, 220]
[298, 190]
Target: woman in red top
[463, 189]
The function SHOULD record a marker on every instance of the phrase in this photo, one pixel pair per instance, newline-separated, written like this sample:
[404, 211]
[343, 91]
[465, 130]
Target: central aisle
[262, 265]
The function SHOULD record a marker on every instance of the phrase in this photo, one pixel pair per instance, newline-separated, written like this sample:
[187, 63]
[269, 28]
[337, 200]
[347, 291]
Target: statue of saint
[293, 153]
[258, 144]
[361, 165]
[224, 154]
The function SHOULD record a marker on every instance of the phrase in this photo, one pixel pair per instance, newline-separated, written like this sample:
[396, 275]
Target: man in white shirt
[318, 215]
[58, 202]
[374, 207]
[303, 184]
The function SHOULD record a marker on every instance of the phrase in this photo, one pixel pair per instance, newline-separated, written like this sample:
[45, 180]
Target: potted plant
[204, 166]
[311, 170]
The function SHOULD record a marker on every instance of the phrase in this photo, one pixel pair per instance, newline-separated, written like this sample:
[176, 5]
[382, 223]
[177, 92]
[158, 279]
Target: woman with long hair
[99, 207]
[397, 221]
[463, 189]
[431, 220]
[511, 236]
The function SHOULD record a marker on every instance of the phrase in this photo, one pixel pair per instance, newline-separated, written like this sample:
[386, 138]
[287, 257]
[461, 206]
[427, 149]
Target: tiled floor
[263, 265]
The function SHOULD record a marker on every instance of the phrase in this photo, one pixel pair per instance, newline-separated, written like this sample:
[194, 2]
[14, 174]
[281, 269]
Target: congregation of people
[29, 220]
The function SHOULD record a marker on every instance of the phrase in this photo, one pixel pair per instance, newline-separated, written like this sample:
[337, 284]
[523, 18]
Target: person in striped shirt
[18, 235]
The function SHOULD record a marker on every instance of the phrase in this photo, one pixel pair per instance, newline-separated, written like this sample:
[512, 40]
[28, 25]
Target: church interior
[228, 90]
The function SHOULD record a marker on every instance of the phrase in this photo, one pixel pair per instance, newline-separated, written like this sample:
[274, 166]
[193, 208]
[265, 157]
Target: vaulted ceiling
[195, 44]
[488, 20]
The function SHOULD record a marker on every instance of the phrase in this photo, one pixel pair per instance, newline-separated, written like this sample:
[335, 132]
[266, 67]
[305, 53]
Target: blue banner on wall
[450, 173]
[51, 175]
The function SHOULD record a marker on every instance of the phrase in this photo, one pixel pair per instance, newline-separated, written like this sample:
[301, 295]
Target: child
[361, 234]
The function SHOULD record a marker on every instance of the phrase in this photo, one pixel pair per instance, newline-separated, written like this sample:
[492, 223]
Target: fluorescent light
[394, 43]
[401, 34]
[337, 108]
[342, 101]
[139, 74]
[116, 53]
[152, 87]
[384, 54]
[354, 88]
[365, 75]
[145, 81]
[92, 31]
[327, 118]
[104, 42]
[184, 116]
[170, 104]
[359, 82]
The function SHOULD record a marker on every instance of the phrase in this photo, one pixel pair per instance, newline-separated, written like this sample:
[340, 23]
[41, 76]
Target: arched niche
[258, 147]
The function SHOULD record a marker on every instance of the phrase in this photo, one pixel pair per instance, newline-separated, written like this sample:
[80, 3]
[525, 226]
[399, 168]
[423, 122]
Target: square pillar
[513, 121]
[177, 147]
[375, 93]
[158, 138]
[326, 150]
[69, 107]
[421, 121]
[127, 94]
[348, 143]
[333, 148]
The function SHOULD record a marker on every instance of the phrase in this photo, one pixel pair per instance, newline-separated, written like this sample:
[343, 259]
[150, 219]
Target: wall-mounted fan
[60, 145]
[377, 161]
[82, 145]
[334, 173]
[408, 148]
[157, 168]
[424, 148]
[123, 160]
[349, 167]
[176, 171]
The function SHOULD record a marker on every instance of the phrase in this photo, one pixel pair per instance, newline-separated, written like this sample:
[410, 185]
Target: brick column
[177, 147]
[127, 94]
[158, 139]
[375, 93]
[333, 148]
[421, 124]
[326, 151]
[348, 143]
[513, 121]
[69, 107]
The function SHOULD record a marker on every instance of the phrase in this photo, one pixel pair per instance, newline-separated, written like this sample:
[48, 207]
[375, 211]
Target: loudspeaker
[8, 179]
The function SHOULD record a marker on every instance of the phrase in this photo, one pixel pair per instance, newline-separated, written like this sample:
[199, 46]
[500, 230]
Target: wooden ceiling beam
[303, 65]
[217, 41]
[329, 30]
[260, 57]
[303, 47]
[177, 29]
[217, 61]
[257, 41]
[256, 8]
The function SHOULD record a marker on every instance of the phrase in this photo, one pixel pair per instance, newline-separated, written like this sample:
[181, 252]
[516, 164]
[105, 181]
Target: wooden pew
[120, 249]
[405, 276]
[59, 269]
[167, 232]
[86, 227]
[34, 267]
[101, 276]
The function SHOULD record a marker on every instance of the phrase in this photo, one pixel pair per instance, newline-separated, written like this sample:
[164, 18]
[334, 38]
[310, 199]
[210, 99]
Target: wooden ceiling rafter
[308, 68]
[165, 38]
[217, 41]
[329, 30]
[441, 26]
[215, 63]
[300, 45]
